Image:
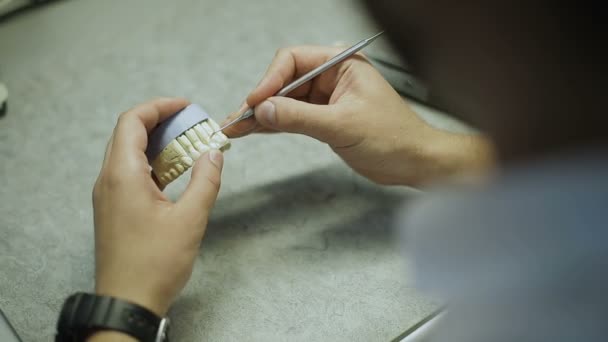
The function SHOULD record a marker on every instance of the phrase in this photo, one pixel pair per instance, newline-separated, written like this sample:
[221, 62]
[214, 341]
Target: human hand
[145, 244]
[353, 109]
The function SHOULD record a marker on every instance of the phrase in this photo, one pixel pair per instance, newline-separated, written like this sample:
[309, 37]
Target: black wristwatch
[84, 314]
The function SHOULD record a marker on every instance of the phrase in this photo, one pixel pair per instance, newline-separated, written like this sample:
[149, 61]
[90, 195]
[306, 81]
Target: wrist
[455, 154]
[130, 293]
[446, 155]
[93, 317]
[103, 336]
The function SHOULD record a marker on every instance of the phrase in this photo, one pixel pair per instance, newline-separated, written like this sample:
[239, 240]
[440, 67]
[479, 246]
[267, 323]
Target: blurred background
[299, 248]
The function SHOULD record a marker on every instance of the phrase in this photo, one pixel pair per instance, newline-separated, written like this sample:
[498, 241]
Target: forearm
[466, 154]
[447, 155]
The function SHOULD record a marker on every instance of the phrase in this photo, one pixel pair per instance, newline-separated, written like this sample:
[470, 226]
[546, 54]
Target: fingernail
[217, 158]
[267, 111]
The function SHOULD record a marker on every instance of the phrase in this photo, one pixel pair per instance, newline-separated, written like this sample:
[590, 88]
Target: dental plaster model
[178, 142]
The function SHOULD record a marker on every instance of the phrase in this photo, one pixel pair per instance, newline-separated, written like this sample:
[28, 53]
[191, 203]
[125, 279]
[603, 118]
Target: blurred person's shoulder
[525, 246]
[559, 184]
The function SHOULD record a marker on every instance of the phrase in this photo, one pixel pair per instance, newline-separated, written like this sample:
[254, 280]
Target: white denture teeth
[187, 145]
[204, 131]
[175, 144]
[196, 142]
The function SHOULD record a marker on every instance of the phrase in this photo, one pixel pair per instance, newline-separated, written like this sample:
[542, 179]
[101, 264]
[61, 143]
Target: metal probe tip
[225, 126]
[376, 36]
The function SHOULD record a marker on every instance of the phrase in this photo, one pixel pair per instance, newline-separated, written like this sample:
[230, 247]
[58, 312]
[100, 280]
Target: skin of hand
[145, 245]
[353, 109]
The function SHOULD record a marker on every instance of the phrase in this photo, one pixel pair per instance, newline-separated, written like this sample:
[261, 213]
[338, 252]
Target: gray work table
[298, 248]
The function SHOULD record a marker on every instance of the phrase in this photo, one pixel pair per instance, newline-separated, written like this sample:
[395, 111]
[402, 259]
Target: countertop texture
[299, 248]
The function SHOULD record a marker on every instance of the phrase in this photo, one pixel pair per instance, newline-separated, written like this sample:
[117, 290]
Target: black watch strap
[84, 314]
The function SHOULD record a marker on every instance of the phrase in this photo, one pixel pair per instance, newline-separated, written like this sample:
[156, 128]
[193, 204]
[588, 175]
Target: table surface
[299, 247]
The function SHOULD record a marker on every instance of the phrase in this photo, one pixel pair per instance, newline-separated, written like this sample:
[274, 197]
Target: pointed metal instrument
[309, 76]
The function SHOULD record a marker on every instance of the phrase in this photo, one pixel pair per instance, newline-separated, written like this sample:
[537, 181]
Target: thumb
[201, 193]
[289, 115]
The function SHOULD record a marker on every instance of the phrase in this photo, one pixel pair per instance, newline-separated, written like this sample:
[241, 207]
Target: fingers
[200, 195]
[290, 115]
[106, 157]
[131, 132]
[287, 65]
[290, 63]
[241, 128]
